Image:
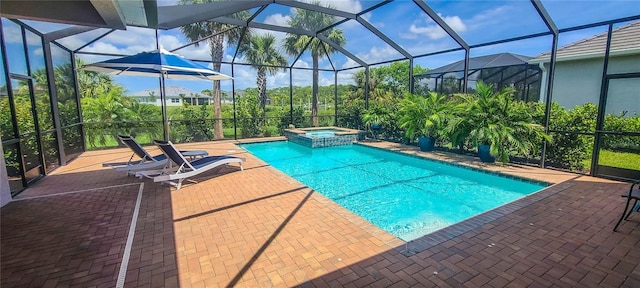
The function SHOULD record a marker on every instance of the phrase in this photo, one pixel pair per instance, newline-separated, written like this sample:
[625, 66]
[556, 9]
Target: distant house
[174, 96]
[579, 65]
[501, 70]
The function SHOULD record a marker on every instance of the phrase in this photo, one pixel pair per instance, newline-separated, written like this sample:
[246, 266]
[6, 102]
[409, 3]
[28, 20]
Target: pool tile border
[463, 166]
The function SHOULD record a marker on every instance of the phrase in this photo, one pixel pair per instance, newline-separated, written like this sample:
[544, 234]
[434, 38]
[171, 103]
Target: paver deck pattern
[261, 228]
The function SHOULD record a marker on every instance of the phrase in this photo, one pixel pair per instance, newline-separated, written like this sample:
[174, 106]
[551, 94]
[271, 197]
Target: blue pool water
[321, 133]
[406, 196]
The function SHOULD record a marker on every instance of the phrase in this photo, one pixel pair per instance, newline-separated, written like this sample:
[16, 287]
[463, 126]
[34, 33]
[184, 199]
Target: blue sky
[402, 21]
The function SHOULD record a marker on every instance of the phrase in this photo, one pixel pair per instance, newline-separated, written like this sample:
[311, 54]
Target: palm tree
[262, 50]
[295, 44]
[377, 91]
[199, 30]
[93, 84]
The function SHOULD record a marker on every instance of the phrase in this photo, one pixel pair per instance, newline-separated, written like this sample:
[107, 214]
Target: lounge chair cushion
[204, 161]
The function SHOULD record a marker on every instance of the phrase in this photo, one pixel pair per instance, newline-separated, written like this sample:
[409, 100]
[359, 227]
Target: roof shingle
[624, 40]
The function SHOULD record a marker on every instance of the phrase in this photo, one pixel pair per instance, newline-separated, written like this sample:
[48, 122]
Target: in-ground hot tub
[323, 136]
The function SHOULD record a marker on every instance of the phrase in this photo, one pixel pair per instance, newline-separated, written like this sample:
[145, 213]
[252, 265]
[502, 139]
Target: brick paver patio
[261, 228]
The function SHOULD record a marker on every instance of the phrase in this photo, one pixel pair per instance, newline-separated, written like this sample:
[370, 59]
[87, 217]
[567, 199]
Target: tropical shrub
[568, 150]
[496, 119]
[108, 115]
[375, 115]
[300, 117]
[424, 116]
[392, 130]
[621, 122]
[193, 125]
[249, 116]
[349, 114]
[269, 131]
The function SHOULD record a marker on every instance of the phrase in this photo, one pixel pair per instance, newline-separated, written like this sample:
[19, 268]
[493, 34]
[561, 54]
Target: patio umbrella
[155, 63]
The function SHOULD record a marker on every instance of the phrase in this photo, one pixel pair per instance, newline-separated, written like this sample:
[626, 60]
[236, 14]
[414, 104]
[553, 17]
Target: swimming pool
[405, 196]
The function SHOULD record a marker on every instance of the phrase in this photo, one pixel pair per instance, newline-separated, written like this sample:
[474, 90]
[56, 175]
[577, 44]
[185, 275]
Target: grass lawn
[620, 159]
[228, 132]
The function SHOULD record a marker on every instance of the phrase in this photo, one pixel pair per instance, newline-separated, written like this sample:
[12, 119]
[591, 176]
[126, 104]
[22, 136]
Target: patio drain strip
[127, 248]
[74, 192]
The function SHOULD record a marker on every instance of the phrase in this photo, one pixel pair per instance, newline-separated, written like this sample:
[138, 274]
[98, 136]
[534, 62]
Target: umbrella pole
[163, 99]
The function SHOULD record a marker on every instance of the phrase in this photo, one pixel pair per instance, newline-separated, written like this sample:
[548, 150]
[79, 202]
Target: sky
[402, 21]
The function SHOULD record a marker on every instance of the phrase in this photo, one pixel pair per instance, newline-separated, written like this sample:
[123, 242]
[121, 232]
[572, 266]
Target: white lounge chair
[146, 160]
[188, 169]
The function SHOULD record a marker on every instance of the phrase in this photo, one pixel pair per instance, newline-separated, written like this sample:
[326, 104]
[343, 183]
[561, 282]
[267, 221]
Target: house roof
[482, 62]
[625, 40]
[171, 91]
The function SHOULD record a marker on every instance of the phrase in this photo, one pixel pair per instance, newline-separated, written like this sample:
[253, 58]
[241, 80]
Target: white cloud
[488, 18]
[105, 47]
[76, 41]
[302, 64]
[278, 20]
[93, 58]
[324, 81]
[244, 77]
[377, 54]
[136, 40]
[433, 31]
[12, 32]
[349, 64]
[425, 26]
[132, 36]
[346, 77]
[198, 53]
[73, 42]
[426, 46]
[302, 77]
[353, 6]
[133, 40]
[279, 79]
[169, 42]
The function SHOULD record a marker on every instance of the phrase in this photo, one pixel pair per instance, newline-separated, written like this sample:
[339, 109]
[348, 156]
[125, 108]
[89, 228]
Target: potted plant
[424, 117]
[497, 124]
[374, 117]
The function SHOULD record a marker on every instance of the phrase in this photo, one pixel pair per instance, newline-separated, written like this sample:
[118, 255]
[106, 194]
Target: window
[175, 100]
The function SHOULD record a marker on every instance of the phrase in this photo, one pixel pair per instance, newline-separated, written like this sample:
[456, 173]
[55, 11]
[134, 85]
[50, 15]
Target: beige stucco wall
[577, 82]
[5, 193]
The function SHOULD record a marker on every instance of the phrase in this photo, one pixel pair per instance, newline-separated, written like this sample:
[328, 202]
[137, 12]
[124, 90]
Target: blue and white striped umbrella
[172, 66]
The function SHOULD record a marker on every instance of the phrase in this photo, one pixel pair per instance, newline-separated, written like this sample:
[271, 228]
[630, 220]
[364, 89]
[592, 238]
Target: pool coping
[342, 131]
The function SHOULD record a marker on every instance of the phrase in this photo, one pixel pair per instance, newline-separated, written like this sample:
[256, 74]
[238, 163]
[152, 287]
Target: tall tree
[295, 44]
[93, 84]
[262, 51]
[200, 30]
[392, 79]
[395, 76]
[377, 89]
